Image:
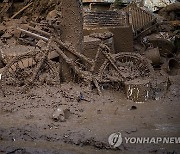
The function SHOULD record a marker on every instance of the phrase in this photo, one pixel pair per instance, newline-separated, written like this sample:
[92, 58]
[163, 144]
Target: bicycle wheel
[130, 66]
[19, 72]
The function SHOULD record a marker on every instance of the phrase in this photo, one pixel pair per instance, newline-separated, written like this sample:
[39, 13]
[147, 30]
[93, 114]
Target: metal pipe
[38, 30]
[33, 34]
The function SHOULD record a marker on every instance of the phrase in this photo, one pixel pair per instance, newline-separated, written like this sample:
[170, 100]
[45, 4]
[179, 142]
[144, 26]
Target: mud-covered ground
[26, 124]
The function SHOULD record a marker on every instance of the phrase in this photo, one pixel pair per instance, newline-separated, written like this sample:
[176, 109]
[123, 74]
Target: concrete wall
[123, 37]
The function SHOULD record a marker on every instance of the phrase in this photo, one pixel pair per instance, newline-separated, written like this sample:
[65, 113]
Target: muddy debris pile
[128, 49]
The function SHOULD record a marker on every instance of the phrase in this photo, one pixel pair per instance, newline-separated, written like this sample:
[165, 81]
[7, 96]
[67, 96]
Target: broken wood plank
[24, 8]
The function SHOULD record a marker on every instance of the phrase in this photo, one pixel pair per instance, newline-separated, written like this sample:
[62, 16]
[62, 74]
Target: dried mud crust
[26, 118]
[20, 71]
[131, 66]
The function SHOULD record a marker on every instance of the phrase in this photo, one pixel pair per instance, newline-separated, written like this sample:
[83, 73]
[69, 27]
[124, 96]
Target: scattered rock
[133, 108]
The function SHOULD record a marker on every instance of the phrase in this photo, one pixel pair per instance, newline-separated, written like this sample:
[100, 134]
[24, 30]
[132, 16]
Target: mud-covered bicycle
[33, 67]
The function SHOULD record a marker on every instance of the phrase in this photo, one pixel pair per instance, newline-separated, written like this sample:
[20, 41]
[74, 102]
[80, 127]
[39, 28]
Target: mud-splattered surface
[26, 124]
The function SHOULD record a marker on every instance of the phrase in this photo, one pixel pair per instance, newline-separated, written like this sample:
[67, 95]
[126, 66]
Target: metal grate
[104, 19]
[138, 17]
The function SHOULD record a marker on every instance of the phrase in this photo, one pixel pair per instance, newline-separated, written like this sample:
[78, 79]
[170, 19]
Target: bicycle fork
[105, 50]
[42, 61]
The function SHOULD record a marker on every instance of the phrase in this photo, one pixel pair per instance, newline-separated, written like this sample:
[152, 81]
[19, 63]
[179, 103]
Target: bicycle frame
[104, 49]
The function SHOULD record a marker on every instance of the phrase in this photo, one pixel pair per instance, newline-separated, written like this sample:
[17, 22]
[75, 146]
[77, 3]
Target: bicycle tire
[18, 72]
[131, 65]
